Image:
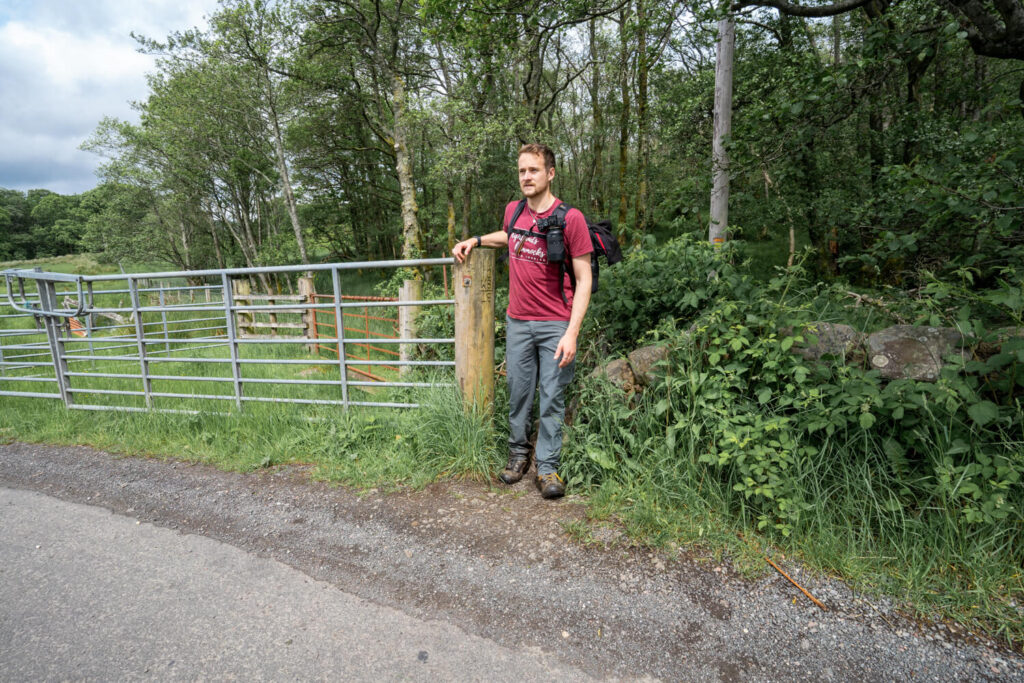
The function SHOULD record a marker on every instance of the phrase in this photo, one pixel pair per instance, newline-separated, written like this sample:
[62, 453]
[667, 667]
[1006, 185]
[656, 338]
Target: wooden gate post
[412, 290]
[308, 293]
[473, 282]
[243, 294]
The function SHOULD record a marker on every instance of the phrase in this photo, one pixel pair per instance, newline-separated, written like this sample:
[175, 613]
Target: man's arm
[581, 299]
[493, 239]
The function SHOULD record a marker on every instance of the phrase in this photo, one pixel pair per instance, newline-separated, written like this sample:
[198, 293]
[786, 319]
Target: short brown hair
[541, 151]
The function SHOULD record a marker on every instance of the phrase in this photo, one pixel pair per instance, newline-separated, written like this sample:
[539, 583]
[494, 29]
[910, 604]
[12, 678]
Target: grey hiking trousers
[530, 363]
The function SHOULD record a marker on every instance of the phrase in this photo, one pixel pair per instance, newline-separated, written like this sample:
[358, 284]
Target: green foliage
[823, 454]
[40, 223]
[651, 284]
[961, 209]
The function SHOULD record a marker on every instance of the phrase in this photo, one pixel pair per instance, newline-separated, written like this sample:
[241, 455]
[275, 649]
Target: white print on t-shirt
[535, 250]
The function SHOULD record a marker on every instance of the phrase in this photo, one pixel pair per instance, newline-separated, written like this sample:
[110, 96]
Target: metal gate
[180, 341]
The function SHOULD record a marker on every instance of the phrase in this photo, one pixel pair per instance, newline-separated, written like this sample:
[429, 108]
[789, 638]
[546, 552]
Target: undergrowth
[908, 487]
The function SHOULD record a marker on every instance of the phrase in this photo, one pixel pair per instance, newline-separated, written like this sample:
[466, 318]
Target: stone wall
[897, 352]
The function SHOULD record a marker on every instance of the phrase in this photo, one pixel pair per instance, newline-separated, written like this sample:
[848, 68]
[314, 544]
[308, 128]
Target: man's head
[536, 169]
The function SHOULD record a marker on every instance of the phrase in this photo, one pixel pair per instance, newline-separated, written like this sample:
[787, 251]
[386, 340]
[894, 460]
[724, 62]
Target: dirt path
[498, 565]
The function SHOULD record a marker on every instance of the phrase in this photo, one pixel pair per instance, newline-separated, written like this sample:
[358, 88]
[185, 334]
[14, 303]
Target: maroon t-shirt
[535, 289]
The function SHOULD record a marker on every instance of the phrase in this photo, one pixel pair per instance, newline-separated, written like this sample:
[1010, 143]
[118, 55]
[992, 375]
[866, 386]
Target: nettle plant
[773, 430]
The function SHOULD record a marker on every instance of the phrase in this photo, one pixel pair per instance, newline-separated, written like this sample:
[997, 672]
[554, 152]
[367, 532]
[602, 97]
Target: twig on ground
[802, 589]
[863, 298]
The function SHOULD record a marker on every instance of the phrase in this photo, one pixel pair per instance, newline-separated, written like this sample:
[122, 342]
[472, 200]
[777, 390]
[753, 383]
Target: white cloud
[63, 67]
[63, 60]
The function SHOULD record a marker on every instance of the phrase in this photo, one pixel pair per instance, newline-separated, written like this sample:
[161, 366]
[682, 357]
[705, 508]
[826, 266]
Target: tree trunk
[216, 242]
[467, 206]
[623, 124]
[282, 167]
[450, 197]
[722, 129]
[186, 250]
[642, 69]
[412, 241]
[837, 40]
[534, 75]
[246, 244]
[875, 151]
[597, 175]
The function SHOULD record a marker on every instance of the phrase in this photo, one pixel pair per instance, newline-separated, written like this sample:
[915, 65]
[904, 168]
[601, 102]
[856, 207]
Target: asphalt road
[87, 594]
[135, 568]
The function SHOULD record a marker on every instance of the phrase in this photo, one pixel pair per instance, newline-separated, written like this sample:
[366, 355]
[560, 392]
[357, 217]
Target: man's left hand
[566, 350]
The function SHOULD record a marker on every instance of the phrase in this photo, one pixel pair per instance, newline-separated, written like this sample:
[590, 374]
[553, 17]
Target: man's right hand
[462, 249]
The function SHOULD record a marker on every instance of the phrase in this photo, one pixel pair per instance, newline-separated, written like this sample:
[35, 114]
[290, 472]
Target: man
[544, 317]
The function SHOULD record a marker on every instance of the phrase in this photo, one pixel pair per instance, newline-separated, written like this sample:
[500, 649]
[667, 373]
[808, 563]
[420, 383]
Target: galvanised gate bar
[119, 342]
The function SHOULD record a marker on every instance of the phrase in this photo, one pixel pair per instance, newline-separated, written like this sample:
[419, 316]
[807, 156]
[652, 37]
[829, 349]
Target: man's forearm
[495, 239]
[499, 238]
[581, 299]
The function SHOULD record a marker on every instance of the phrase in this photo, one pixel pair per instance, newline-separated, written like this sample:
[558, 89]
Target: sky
[64, 65]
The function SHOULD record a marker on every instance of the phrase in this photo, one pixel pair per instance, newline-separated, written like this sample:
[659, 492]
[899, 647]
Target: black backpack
[601, 238]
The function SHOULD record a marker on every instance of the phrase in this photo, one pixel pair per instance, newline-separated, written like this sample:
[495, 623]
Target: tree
[254, 33]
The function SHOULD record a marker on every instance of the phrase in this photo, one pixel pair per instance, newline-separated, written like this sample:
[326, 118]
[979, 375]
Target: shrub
[652, 284]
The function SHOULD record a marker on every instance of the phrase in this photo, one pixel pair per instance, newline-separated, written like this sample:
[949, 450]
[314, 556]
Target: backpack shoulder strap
[515, 216]
[560, 212]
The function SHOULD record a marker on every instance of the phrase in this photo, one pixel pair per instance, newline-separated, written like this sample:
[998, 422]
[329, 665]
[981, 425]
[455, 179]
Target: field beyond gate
[192, 341]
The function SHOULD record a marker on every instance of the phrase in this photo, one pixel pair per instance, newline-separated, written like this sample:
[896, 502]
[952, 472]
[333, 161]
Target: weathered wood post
[273, 316]
[243, 294]
[473, 282]
[307, 290]
[412, 290]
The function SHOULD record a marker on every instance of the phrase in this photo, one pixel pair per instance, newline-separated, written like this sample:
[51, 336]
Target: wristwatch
[479, 241]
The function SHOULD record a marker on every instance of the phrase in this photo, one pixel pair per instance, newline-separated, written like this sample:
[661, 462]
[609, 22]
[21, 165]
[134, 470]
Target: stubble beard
[534, 191]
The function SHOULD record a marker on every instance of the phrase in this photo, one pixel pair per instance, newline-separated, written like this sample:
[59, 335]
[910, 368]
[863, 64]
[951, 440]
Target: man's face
[534, 179]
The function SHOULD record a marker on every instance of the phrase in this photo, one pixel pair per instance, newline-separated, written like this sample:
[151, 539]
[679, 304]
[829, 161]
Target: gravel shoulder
[498, 565]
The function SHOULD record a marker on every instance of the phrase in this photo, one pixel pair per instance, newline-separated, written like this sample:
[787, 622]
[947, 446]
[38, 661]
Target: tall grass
[365, 447]
[859, 526]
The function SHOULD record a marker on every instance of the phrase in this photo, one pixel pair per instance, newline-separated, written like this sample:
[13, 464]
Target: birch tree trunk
[185, 247]
[837, 40]
[722, 130]
[282, 168]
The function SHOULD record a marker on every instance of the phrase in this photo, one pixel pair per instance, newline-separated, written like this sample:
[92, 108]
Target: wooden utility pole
[474, 328]
[723, 129]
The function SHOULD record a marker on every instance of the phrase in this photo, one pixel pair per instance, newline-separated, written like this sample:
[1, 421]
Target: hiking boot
[515, 469]
[550, 485]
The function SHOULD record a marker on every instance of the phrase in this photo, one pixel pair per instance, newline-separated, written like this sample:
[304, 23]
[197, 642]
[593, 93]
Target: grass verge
[362, 448]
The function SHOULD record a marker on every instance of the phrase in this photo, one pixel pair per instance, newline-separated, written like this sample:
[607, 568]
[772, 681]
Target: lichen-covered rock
[643, 360]
[909, 352]
[833, 339]
[619, 373]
